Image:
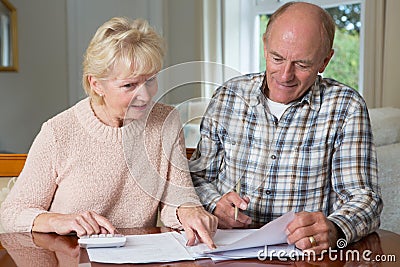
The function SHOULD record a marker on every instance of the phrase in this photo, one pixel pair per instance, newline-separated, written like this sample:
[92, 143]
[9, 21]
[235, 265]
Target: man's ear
[265, 45]
[326, 61]
[95, 85]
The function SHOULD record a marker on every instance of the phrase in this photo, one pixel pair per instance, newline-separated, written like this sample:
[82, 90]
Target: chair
[189, 152]
[11, 164]
[10, 167]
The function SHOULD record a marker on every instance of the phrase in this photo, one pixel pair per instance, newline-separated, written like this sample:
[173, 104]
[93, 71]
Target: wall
[40, 88]
[183, 32]
[52, 38]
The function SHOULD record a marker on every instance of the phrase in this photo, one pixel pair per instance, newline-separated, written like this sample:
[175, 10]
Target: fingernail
[287, 232]
[243, 206]
[187, 243]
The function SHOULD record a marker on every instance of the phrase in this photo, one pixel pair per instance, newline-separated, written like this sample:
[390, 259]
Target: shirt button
[273, 157]
[268, 192]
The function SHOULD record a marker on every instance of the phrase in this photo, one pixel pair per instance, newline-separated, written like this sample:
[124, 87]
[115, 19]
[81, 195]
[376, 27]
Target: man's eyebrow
[303, 61]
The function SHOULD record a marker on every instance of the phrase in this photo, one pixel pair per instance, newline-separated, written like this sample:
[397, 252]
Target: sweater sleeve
[35, 187]
[179, 187]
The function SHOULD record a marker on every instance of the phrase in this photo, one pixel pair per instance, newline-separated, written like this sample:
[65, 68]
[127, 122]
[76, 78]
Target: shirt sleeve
[34, 190]
[355, 178]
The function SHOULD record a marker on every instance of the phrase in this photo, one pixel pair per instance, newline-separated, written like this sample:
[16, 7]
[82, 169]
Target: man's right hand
[225, 211]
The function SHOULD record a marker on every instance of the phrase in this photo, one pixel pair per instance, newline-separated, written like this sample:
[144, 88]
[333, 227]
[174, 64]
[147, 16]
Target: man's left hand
[312, 231]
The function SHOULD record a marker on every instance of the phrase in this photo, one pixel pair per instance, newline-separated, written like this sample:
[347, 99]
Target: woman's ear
[95, 85]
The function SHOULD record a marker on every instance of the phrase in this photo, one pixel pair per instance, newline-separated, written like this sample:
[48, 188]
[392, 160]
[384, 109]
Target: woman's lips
[139, 107]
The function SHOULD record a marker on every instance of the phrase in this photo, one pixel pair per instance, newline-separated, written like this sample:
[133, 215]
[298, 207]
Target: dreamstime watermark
[333, 254]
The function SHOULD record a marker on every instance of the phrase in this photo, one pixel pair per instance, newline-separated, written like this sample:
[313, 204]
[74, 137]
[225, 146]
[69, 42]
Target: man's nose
[287, 72]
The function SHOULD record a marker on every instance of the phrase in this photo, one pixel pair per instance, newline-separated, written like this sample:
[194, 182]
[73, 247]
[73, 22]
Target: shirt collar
[312, 97]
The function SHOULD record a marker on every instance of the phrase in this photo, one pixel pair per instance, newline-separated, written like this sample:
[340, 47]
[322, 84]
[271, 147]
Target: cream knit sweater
[77, 163]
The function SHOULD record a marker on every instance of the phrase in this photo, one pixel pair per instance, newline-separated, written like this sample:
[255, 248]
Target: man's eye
[277, 59]
[302, 66]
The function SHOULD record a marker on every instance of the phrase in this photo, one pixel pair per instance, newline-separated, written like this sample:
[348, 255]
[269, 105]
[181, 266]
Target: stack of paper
[171, 246]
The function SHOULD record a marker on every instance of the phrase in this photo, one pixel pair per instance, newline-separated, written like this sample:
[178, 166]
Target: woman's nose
[143, 93]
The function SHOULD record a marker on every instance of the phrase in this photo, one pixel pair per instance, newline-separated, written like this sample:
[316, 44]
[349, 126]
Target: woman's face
[130, 99]
[127, 99]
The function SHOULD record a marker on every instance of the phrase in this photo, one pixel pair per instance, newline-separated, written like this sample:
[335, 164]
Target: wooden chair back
[11, 164]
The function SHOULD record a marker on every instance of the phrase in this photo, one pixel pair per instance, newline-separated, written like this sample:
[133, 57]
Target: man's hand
[312, 231]
[225, 211]
[198, 223]
[84, 223]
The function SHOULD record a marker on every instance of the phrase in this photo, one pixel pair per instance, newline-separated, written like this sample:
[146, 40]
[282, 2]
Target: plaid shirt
[319, 156]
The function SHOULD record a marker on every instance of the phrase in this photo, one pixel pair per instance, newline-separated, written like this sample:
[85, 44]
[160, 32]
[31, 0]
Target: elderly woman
[115, 158]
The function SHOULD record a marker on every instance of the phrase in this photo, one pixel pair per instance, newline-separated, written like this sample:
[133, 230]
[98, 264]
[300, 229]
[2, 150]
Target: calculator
[102, 241]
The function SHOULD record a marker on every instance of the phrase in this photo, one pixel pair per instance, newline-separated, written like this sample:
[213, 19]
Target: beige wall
[52, 37]
[39, 89]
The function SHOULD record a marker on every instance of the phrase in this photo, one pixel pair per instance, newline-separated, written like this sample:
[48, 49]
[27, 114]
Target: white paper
[171, 246]
[270, 234]
[143, 249]
[267, 252]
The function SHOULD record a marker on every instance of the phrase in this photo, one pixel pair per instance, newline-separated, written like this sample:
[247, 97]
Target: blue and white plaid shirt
[319, 156]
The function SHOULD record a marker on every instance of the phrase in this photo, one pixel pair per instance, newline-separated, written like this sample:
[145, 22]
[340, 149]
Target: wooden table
[36, 249]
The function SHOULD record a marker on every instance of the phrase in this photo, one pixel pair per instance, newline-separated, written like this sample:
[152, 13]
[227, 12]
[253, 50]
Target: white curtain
[381, 53]
[220, 42]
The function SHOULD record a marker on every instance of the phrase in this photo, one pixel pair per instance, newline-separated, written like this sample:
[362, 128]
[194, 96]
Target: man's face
[294, 55]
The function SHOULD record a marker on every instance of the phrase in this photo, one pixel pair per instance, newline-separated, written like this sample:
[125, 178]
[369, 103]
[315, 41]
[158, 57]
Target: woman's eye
[152, 79]
[129, 86]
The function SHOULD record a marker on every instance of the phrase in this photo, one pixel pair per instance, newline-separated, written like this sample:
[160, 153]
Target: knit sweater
[76, 163]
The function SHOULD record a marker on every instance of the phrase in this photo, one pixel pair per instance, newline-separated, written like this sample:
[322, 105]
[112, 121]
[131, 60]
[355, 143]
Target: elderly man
[292, 140]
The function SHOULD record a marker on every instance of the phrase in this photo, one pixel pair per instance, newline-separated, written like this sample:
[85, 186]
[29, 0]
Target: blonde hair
[132, 44]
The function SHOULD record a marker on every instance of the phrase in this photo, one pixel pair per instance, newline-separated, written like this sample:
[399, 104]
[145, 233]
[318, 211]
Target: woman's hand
[84, 223]
[66, 245]
[197, 223]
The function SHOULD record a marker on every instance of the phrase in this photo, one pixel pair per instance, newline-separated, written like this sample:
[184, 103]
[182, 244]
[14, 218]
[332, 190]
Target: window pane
[345, 63]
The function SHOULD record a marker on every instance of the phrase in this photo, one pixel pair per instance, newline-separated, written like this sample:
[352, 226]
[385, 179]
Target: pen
[238, 192]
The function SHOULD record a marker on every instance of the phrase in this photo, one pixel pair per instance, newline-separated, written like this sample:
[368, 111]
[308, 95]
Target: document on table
[171, 246]
[270, 234]
[163, 247]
